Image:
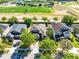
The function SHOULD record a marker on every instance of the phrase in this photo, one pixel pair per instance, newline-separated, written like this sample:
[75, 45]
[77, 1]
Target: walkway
[8, 55]
[34, 48]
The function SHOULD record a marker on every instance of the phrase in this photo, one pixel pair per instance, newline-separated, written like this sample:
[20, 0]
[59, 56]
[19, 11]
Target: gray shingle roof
[17, 28]
[3, 26]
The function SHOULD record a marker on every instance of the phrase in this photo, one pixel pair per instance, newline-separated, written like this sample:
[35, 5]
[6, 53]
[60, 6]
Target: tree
[1, 49]
[75, 19]
[28, 21]
[49, 32]
[48, 46]
[40, 5]
[25, 10]
[47, 56]
[12, 20]
[4, 18]
[68, 19]
[65, 44]
[1, 31]
[70, 56]
[55, 18]
[51, 4]
[27, 38]
[76, 30]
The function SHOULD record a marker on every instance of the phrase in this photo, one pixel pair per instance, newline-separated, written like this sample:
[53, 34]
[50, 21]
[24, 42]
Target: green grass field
[6, 0]
[21, 9]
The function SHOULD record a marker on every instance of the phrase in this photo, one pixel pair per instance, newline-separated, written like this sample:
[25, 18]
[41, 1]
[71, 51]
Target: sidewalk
[34, 48]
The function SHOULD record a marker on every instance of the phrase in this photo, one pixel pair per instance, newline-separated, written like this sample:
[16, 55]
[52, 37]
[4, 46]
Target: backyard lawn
[27, 9]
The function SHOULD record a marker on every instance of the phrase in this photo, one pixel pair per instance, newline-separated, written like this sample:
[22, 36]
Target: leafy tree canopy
[49, 46]
[49, 32]
[47, 56]
[28, 21]
[12, 20]
[27, 38]
[67, 19]
[70, 56]
[65, 44]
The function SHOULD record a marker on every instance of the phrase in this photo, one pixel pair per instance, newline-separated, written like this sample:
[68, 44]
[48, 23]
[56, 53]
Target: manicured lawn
[6, 0]
[27, 9]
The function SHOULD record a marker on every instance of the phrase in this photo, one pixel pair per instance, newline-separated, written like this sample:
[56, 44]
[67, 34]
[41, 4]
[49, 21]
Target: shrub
[55, 18]
[44, 18]
[34, 18]
[12, 20]
[3, 18]
[24, 18]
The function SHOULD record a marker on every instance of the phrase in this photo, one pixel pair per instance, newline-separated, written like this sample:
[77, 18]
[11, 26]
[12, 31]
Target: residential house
[60, 30]
[38, 30]
[16, 30]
